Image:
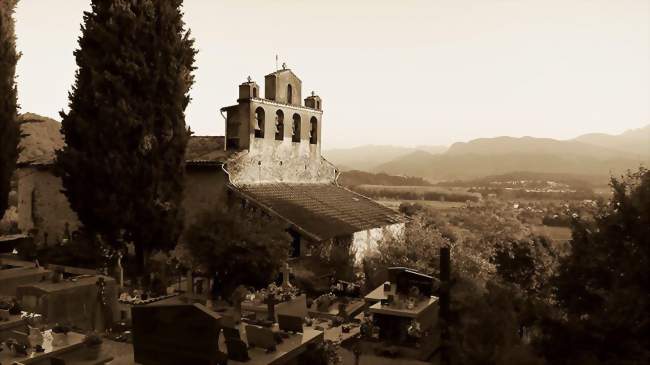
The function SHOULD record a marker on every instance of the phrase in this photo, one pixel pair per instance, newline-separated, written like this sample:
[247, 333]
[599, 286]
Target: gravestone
[175, 334]
[405, 279]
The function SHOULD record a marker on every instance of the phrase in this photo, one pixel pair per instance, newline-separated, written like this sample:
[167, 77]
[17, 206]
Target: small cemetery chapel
[274, 162]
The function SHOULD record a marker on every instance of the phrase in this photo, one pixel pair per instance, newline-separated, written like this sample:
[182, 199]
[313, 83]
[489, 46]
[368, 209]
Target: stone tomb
[295, 307]
[74, 352]
[176, 334]
[351, 307]
[288, 351]
[14, 273]
[75, 301]
[405, 315]
[13, 323]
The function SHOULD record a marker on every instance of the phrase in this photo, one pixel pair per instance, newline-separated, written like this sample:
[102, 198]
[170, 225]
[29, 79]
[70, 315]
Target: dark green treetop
[123, 164]
[9, 129]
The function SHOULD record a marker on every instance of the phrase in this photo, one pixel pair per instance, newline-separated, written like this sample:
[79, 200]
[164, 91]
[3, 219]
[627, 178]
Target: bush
[239, 247]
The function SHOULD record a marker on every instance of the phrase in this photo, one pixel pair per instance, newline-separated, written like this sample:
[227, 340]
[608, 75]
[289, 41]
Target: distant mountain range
[634, 141]
[591, 155]
[369, 157]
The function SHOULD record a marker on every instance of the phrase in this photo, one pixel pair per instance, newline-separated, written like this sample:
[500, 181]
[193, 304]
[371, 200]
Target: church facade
[273, 144]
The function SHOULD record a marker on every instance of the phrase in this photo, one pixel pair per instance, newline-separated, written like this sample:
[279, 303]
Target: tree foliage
[9, 129]
[485, 324]
[528, 263]
[602, 285]
[240, 246]
[123, 164]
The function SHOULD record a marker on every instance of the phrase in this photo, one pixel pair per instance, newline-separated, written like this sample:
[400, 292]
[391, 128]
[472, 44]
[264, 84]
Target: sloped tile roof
[322, 211]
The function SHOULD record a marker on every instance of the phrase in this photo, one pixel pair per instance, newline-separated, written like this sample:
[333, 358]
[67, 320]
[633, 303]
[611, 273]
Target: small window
[259, 122]
[313, 130]
[279, 125]
[317, 104]
[295, 135]
[289, 94]
[254, 92]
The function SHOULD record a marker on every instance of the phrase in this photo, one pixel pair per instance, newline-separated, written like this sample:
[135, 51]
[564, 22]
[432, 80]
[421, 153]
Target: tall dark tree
[123, 164]
[9, 130]
[602, 285]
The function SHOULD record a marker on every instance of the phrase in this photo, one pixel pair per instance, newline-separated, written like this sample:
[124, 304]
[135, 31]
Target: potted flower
[93, 343]
[60, 335]
[33, 321]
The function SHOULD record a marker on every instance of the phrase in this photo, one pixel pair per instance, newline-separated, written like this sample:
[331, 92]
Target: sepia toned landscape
[324, 183]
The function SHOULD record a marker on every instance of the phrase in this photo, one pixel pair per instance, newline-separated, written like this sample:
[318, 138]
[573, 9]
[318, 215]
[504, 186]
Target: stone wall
[42, 204]
[205, 190]
[271, 161]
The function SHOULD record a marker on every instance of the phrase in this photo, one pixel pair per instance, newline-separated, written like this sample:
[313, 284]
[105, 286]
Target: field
[394, 204]
[559, 234]
[417, 193]
[418, 189]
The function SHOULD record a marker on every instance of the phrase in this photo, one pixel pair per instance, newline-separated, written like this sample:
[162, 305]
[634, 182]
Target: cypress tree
[9, 129]
[123, 164]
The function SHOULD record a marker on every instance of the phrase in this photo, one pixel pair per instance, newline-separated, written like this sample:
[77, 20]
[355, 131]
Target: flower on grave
[414, 329]
[324, 301]
[32, 319]
[275, 292]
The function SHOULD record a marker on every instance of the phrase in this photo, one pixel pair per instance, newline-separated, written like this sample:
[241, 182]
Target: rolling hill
[596, 156]
[635, 141]
[367, 158]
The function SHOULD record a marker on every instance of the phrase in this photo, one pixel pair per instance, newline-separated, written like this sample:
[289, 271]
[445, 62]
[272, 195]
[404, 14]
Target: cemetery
[65, 313]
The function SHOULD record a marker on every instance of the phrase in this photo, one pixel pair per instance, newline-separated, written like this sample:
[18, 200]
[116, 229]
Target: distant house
[270, 158]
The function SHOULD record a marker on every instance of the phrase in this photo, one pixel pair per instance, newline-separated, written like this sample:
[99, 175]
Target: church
[272, 160]
[269, 159]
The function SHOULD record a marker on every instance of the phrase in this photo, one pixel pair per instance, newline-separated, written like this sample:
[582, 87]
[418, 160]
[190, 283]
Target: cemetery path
[122, 352]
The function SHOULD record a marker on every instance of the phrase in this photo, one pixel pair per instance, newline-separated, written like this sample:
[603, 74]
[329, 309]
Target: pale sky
[400, 72]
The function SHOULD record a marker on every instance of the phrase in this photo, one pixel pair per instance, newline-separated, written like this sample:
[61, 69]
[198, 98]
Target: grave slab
[286, 352]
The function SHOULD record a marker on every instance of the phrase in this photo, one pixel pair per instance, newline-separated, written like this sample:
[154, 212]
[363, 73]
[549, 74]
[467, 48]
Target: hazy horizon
[401, 73]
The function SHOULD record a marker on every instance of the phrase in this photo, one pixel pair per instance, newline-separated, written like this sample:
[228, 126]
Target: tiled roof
[205, 150]
[322, 211]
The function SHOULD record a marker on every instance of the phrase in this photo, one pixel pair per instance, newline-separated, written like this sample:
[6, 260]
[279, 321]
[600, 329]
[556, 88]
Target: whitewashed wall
[365, 242]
